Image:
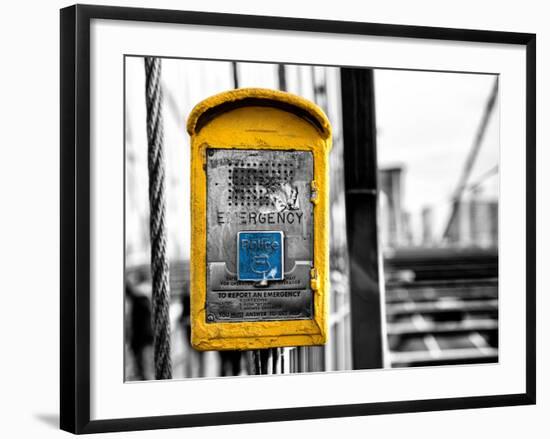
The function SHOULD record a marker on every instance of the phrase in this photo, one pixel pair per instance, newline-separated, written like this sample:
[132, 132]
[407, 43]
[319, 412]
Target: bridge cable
[157, 227]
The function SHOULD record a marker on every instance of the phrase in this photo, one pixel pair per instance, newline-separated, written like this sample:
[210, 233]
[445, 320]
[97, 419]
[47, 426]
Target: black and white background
[438, 154]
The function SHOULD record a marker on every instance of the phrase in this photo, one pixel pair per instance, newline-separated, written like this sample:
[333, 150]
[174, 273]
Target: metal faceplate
[259, 235]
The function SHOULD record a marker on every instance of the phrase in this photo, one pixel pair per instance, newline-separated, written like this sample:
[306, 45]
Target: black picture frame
[76, 210]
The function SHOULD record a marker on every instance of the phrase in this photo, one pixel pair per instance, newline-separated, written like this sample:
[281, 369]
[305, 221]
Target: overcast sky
[427, 121]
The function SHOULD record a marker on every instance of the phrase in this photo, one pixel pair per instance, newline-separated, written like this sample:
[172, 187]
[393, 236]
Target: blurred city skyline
[427, 123]
[422, 119]
[437, 296]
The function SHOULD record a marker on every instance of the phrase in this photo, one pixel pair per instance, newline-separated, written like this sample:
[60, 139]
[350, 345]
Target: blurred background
[425, 294]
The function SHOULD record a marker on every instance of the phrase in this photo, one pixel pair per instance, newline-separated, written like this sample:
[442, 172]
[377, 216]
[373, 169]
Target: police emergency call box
[259, 218]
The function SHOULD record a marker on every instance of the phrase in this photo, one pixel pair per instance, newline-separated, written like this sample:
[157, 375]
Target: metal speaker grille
[249, 183]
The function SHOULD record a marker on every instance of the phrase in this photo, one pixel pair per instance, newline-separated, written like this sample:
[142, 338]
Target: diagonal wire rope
[472, 155]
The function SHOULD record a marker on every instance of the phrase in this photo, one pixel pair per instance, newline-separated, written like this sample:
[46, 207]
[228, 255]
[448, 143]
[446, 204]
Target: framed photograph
[257, 209]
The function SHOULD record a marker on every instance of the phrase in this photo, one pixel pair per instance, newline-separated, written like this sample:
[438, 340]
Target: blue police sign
[260, 256]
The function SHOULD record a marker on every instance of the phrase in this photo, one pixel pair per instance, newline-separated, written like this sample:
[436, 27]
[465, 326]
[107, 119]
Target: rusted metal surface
[259, 191]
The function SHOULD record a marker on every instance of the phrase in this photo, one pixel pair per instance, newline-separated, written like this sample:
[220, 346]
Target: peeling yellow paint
[258, 119]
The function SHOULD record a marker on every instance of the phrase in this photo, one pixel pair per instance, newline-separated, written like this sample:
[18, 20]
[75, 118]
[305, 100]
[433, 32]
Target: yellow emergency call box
[259, 221]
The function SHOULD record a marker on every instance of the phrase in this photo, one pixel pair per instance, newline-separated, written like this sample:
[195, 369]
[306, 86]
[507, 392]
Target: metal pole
[281, 73]
[257, 362]
[367, 304]
[235, 69]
